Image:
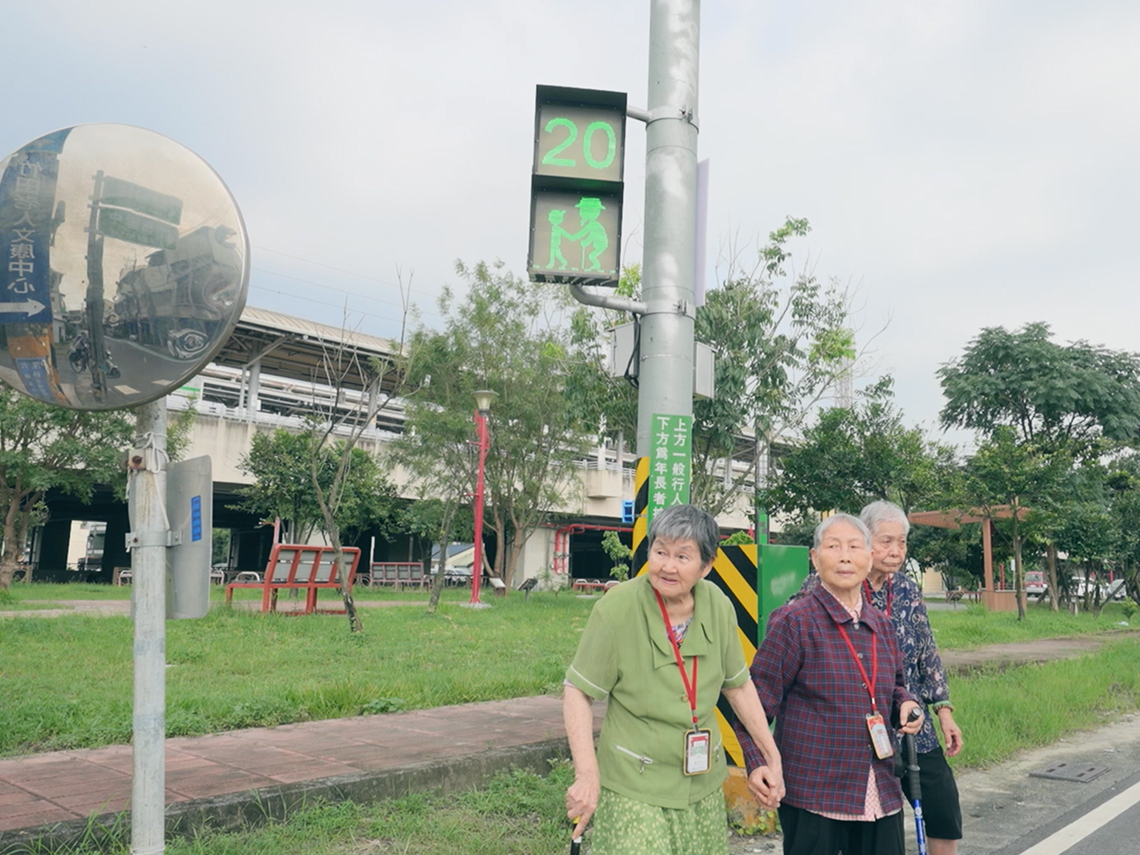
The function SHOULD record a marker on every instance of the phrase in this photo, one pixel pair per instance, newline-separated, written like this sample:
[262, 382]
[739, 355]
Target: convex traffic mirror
[124, 266]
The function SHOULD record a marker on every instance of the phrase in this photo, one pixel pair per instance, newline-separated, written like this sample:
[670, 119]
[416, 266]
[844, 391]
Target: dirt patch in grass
[1002, 656]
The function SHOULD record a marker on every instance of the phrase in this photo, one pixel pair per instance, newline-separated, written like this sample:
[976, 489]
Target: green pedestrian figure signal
[591, 237]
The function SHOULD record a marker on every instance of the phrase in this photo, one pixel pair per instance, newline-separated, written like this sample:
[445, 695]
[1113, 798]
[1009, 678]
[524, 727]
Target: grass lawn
[518, 813]
[68, 680]
[1004, 712]
[972, 626]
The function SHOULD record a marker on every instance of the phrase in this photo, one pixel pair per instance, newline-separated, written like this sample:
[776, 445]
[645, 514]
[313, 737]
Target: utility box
[190, 509]
[780, 571]
[623, 360]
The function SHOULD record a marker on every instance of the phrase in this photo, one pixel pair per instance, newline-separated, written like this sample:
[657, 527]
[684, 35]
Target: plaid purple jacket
[808, 681]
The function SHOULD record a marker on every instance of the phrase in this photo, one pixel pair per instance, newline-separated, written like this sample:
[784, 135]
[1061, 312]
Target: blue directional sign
[27, 196]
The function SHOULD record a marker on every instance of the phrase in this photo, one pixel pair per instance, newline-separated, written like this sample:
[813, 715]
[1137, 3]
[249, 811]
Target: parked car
[1035, 583]
[1112, 591]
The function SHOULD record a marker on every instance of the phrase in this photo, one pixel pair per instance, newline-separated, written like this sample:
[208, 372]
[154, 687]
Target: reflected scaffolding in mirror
[124, 266]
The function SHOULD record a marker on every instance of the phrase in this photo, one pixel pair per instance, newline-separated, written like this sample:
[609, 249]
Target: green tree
[44, 447]
[280, 463]
[505, 335]
[1005, 474]
[1051, 407]
[851, 456]
[619, 554]
[437, 522]
[780, 338]
[371, 382]
[1122, 485]
[1060, 397]
[437, 449]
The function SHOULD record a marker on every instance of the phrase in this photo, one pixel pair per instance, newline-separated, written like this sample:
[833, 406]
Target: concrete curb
[236, 811]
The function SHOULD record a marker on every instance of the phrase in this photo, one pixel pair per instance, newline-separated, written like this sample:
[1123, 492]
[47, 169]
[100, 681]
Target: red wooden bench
[294, 567]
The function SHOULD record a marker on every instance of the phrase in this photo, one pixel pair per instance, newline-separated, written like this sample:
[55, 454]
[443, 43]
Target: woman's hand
[582, 795]
[950, 731]
[909, 725]
[582, 801]
[766, 783]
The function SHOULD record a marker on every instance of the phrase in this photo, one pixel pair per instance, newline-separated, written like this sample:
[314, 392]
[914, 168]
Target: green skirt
[625, 826]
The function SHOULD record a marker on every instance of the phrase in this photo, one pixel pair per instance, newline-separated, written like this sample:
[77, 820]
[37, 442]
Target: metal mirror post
[127, 270]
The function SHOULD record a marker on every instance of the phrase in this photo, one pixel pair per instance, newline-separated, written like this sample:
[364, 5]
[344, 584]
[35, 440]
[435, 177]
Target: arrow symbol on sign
[28, 307]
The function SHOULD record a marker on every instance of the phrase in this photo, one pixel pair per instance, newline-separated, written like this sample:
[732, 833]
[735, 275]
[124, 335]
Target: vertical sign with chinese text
[670, 462]
[27, 197]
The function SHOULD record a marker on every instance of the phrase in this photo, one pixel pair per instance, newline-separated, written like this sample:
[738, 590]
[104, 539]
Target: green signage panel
[670, 462]
[580, 142]
[575, 237]
[117, 223]
[125, 194]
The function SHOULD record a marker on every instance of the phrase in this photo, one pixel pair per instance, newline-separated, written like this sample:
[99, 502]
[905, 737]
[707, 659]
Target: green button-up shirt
[625, 658]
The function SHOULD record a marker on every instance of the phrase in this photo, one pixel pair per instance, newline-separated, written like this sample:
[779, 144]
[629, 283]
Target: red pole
[477, 568]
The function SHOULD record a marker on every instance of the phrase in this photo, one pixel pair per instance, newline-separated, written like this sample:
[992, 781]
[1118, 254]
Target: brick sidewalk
[65, 786]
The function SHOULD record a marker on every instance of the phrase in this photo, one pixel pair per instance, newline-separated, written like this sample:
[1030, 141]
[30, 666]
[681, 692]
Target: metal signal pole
[668, 270]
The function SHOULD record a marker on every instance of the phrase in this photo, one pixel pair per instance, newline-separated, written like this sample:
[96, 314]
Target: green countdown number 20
[552, 159]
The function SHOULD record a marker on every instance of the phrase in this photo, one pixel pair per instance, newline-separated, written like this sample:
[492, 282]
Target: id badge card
[880, 736]
[698, 752]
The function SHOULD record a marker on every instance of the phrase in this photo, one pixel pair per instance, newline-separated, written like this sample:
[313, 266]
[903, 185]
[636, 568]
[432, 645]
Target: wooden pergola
[992, 599]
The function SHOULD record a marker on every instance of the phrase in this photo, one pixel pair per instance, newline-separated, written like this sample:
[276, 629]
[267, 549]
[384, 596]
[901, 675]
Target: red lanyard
[690, 687]
[869, 682]
[867, 590]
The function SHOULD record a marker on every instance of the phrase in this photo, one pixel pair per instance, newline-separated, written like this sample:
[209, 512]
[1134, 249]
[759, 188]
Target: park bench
[396, 573]
[296, 567]
[593, 585]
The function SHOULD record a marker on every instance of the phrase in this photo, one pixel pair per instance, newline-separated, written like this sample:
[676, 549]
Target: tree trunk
[440, 568]
[500, 550]
[1051, 562]
[10, 558]
[513, 560]
[354, 624]
[1018, 585]
[1098, 602]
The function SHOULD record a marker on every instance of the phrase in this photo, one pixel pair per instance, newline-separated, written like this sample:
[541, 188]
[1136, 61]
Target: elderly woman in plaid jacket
[830, 672]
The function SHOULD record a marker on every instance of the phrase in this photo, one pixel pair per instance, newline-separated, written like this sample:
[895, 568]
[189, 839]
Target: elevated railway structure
[272, 374]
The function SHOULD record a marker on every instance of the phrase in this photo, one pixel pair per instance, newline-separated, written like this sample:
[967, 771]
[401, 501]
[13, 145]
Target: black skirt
[807, 833]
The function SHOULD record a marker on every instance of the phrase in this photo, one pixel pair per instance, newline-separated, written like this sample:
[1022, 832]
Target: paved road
[1007, 812]
[1108, 824]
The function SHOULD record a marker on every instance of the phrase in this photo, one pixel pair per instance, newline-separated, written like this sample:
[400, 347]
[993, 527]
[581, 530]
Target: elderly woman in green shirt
[660, 649]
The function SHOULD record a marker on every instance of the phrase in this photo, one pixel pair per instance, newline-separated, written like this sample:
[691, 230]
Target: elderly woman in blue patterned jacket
[898, 597]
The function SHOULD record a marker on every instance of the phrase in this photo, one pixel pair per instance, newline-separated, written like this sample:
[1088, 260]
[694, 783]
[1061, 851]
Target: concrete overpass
[268, 376]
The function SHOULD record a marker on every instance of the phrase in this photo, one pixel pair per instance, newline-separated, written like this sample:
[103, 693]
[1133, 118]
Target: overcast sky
[965, 163]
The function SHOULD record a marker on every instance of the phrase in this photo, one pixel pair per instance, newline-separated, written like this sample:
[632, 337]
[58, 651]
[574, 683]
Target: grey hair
[687, 522]
[877, 513]
[821, 529]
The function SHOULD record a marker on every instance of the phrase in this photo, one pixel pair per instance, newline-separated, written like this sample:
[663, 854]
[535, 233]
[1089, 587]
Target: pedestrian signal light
[576, 186]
